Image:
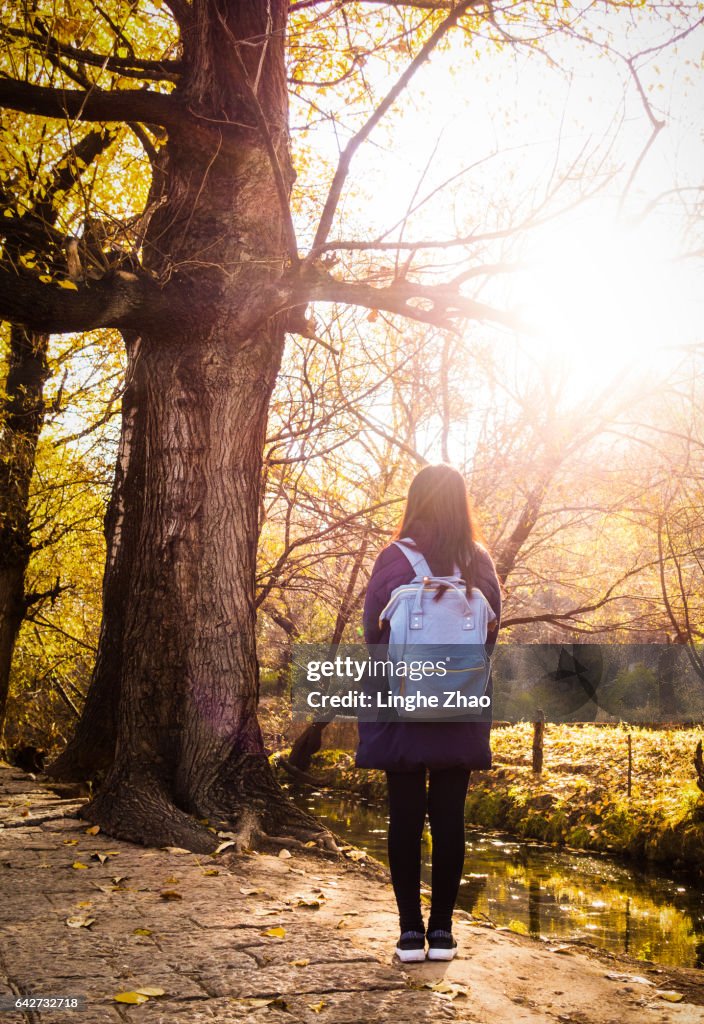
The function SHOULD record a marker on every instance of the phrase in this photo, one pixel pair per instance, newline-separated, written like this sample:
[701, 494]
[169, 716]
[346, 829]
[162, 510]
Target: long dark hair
[439, 517]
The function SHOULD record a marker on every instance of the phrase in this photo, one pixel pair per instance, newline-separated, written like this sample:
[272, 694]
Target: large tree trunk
[178, 640]
[22, 423]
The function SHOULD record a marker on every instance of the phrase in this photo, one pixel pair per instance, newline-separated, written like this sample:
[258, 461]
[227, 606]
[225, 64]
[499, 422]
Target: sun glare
[604, 300]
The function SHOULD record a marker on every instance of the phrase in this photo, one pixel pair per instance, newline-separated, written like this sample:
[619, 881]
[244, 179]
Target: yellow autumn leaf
[670, 996]
[317, 1007]
[142, 931]
[133, 998]
[69, 285]
[78, 866]
[303, 962]
[451, 989]
[80, 921]
[275, 933]
[93, 830]
[518, 927]
[151, 991]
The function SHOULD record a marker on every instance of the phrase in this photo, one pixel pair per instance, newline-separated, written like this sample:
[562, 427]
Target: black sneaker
[441, 945]
[410, 948]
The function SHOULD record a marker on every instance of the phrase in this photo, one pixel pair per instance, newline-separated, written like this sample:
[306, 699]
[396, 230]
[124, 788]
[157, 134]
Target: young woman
[438, 519]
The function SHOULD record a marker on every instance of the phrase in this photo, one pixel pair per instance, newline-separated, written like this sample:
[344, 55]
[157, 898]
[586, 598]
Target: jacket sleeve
[391, 570]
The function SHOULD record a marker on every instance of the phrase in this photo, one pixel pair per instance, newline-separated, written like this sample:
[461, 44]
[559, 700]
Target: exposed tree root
[248, 808]
[132, 809]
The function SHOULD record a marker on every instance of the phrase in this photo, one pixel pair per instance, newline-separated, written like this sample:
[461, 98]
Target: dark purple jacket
[406, 746]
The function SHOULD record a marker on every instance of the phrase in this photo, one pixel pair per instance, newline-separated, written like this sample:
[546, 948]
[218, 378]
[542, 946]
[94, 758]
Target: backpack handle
[416, 612]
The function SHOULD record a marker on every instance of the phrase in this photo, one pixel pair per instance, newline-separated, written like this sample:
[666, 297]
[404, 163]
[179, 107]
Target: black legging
[444, 803]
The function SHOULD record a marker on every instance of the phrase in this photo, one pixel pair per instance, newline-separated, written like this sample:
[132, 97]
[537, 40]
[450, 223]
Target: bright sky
[606, 288]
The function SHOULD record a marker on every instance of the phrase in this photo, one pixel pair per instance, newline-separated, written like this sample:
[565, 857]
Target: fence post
[630, 764]
[538, 734]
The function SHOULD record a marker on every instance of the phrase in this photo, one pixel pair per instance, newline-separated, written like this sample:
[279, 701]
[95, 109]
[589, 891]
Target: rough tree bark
[177, 657]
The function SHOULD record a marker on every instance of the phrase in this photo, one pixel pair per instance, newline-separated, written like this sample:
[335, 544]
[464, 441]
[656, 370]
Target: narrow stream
[546, 892]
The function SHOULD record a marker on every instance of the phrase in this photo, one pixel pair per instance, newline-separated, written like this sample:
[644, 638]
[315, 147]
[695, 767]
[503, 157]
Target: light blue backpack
[451, 630]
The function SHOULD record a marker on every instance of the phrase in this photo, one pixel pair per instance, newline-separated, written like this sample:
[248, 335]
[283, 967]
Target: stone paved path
[268, 938]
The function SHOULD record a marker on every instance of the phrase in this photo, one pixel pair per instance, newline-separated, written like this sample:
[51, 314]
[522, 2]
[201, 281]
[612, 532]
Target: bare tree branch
[119, 300]
[92, 105]
[356, 141]
[439, 305]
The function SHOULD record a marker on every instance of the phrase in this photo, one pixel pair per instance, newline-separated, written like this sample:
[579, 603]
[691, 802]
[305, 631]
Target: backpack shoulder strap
[418, 562]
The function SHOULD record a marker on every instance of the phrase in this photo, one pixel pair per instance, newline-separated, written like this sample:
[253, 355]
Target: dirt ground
[293, 937]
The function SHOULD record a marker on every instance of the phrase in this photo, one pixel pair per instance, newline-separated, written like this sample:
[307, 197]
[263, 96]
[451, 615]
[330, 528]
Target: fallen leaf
[170, 894]
[102, 857]
[669, 995]
[175, 849]
[134, 998]
[257, 1002]
[116, 879]
[150, 991]
[284, 854]
[70, 842]
[142, 931]
[92, 831]
[210, 872]
[517, 927]
[309, 903]
[224, 846]
[303, 962]
[451, 989]
[356, 854]
[78, 866]
[317, 1007]
[249, 892]
[171, 881]
[80, 921]
[276, 933]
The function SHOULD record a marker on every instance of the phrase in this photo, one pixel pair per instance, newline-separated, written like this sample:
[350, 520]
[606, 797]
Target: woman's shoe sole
[410, 956]
[442, 954]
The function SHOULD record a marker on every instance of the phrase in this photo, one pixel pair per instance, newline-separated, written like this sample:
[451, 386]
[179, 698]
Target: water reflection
[554, 894]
